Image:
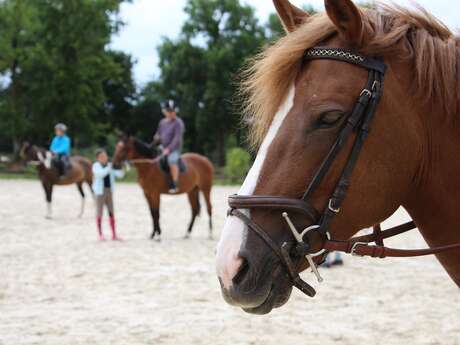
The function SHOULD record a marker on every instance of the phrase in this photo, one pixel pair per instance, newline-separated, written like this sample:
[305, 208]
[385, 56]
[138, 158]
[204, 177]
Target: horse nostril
[242, 272]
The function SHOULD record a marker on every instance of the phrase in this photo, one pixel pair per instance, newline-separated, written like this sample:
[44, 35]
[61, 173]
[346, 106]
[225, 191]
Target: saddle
[62, 164]
[164, 166]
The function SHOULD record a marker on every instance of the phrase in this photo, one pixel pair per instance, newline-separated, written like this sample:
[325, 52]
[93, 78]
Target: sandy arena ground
[59, 286]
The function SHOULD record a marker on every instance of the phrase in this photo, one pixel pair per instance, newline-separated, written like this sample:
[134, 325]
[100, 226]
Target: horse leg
[49, 198]
[194, 200]
[207, 197]
[154, 203]
[82, 194]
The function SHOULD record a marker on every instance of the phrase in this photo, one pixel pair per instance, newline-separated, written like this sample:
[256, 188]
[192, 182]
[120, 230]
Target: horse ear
[291, 16]
[347, 18]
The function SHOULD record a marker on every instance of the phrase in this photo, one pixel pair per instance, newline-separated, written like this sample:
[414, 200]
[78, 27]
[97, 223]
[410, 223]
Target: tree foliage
[55, 64]
[200, 70]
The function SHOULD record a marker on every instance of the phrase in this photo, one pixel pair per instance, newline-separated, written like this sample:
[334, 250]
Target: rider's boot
[113, 228]
[173, 189]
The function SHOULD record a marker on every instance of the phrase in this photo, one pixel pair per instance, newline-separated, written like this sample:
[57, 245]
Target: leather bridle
[359, 122]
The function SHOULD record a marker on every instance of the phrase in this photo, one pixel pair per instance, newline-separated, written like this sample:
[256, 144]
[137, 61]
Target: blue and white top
[100, 172]
[61, 145]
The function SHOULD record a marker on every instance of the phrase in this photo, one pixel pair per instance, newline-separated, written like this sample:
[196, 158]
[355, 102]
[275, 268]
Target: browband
[319, 53]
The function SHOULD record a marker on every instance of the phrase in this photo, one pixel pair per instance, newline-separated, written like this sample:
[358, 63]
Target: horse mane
[411, 34]
[37, 148]
[143, 148]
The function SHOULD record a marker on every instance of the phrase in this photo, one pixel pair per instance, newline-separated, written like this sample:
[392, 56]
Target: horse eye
[329, 119]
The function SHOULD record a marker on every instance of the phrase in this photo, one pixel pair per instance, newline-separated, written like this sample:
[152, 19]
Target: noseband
[358, 122]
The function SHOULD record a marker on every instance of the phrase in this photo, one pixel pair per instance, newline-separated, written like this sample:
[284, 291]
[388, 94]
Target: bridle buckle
[332, 208]
[355, 246]
[366, 92]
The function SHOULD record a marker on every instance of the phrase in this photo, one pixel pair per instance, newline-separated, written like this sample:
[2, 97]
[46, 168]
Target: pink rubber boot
[112, 226]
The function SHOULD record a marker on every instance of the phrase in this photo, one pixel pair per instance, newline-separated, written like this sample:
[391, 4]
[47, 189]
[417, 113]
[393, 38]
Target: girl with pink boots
[103, 185]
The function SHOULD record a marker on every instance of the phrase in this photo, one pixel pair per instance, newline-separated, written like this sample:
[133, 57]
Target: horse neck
[434, 202]
[143, 169]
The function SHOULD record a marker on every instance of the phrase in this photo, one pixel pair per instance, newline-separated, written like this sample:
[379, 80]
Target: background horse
[299, 107]
[154, 182]
[79, 173]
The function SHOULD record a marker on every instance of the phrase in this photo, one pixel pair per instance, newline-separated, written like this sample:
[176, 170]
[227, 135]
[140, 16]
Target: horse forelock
[412, 34]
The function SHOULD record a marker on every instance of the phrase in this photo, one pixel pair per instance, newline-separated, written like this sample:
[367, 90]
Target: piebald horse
[298, 107]
[154, 182]
[80, 173]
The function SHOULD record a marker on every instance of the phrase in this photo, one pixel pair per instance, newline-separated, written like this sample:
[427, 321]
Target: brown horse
[79, 173]
[299, 106]
[197, 177]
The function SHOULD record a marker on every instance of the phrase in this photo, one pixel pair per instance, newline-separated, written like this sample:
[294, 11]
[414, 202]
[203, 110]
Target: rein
[358, 122]
[141, 161]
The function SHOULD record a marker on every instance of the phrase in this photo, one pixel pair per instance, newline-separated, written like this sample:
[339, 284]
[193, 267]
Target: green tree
[121, 97]
[147, 112]
[201, 68]
[238, 164]
[17, 25]
[56, 58]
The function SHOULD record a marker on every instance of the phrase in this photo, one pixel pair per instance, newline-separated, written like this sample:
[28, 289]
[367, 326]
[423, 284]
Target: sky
[147, 21]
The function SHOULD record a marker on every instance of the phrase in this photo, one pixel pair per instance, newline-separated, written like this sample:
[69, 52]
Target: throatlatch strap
[379, 236]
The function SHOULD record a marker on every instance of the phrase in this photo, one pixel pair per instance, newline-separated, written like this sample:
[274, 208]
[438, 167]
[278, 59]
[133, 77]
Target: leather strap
[375, 251]
[380, 235]
[352, 122]
[338, 54]
[273, 203]
[257, 229]
[283, 253]
[377, 232]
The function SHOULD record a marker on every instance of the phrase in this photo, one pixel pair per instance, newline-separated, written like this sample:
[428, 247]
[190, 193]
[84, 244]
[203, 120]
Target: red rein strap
[360, 246]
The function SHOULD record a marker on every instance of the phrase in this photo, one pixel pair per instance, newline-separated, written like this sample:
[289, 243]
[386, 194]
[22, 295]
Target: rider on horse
[170, 134]
[60, 147]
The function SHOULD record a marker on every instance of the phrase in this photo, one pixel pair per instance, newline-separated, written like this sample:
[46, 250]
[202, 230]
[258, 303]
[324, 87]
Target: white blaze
[231, 239]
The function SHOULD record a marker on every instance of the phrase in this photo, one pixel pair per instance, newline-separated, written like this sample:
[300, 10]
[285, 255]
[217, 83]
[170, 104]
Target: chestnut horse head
[28, 152]
[298, 107]
[129, 148]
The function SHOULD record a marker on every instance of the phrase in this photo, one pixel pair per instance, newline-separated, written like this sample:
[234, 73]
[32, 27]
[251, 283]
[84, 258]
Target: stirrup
[173, 190]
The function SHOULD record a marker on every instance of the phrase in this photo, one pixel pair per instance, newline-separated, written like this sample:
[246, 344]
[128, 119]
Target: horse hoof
[187, 236]
[210, 237]
[157, 239]
[48, 217]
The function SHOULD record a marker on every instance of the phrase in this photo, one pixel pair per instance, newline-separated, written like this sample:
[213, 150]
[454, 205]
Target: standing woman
[103, 186]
